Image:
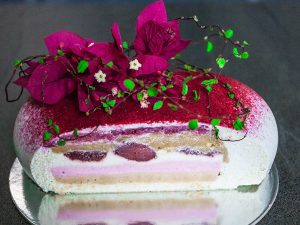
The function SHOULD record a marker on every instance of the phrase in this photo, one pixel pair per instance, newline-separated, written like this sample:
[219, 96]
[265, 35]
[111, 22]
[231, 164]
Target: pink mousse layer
[176, 214]
[166, 167]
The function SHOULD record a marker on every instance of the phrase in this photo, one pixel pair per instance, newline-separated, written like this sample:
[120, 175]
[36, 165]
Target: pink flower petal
[155, 12]
[149, 39]
[150, 64]
[117, 36]
[175, 48]
[102, 50]
[49, 83]
[22, 81]
[159, 39]
[107, 52]
[63, 40]
[84, 104]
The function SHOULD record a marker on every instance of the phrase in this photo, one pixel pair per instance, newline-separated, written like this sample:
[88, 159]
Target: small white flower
[144, 104]
[114, 91]
[100, 76]
[134, 65]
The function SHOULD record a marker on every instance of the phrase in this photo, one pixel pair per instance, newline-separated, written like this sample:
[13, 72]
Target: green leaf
[50, 122]
[177, 56]
[92, 87]
[221, 62]
[193, 124]
[18, 62]
[152, 92]
[238, 124]
[41, 61]
[140, 96]
[170, 86]
[46, 136]
[105, 105]
[187, 79]
[82, 66]
[209, 82]
[228, 85]
[141, 83]
[215, 122]
[60, 52]
[170, 74]
[163, 87]
[235, 51]
[229, 33]
[61, 142]
[111, 103]
[210, 46]
[216, 132]
[56, 128]
[125, 45]
[172, 106]
[245, 43]
[157, 105]
[196, 96]
[129, 84]
[245, 55]
[185, 89]
[75, 132]
[120, 94]
[189, 68]
[231, 95]
[153, 84]
[86, 101]
[110, 64]
[208, 88]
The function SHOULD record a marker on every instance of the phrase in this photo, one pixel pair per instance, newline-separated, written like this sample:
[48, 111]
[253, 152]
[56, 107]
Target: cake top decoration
[149, 71]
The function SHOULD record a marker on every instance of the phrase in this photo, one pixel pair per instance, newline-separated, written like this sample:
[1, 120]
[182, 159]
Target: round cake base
[31, 201]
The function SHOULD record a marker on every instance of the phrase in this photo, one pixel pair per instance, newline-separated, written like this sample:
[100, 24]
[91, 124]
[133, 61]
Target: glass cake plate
[246, 205]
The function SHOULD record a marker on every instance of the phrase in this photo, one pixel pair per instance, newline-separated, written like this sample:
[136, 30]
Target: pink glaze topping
[67, 115]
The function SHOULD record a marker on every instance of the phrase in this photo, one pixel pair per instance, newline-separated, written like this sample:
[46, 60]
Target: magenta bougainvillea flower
[156, 35]
[96, 71]
[48, 82]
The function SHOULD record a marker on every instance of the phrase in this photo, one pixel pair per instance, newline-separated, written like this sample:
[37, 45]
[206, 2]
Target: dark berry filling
[136, 152]
[86, 156]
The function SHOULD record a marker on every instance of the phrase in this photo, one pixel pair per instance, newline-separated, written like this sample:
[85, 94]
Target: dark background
[271, 27]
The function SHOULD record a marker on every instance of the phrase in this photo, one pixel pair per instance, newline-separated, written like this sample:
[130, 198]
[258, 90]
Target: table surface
[271, 27]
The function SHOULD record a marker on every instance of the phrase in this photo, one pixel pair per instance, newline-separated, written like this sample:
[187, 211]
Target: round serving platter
[251, 202]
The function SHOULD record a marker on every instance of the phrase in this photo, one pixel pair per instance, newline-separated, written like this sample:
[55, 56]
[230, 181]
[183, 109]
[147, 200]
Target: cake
[102, 120]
